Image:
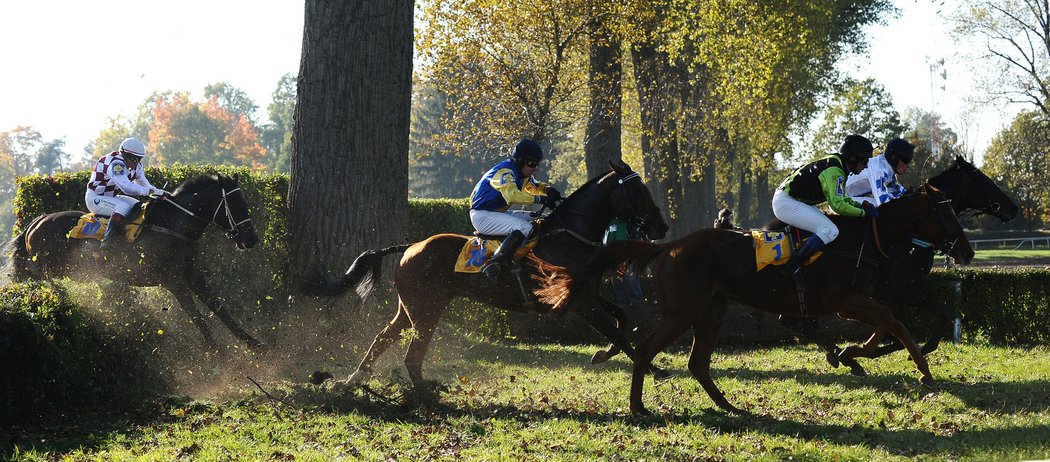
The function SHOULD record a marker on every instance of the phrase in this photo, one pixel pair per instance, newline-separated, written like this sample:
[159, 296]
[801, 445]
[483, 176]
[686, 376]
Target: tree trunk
[659, 137]
[349, 172]
[603, 142]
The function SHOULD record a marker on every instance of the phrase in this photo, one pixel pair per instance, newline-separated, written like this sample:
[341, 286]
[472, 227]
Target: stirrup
[491, 271]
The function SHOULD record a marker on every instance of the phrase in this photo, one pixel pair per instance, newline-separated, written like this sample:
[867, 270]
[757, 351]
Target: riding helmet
[133, 147]
[528, 149]
[901, 149]
[856, 146]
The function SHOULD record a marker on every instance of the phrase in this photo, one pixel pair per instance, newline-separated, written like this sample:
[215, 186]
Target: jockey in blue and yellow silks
[507, 183]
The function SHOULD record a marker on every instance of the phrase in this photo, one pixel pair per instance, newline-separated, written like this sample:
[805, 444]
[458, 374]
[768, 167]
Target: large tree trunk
[659, 137]
[349, 171]
[605, 81]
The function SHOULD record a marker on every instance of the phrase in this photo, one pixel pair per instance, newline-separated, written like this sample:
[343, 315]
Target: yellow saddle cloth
[773, 248]
[91, 226]
[477, 251]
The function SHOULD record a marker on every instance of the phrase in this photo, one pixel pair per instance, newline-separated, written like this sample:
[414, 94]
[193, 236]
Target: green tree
[277, 134]
[1018, 159]
[1016, 36]
[863, 108]
[189, 132]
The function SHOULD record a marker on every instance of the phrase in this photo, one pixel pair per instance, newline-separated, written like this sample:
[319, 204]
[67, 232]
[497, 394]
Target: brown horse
[163, 255]
[696, 276]
[568, 236]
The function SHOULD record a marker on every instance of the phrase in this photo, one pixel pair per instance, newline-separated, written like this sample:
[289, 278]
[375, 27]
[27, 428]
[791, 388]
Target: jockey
[878, 183]
[817, 182]
[509, 182]
[118, 176]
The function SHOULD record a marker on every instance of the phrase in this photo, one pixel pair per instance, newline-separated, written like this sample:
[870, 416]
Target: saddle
[774, 248]
[92, 226]
[477, 251]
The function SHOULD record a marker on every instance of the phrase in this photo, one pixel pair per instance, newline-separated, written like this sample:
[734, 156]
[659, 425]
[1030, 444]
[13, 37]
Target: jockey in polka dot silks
[118, 176]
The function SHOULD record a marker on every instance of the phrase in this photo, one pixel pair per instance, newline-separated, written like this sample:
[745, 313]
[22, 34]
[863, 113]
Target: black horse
[426, 282]
[905, 273]
[162, 255]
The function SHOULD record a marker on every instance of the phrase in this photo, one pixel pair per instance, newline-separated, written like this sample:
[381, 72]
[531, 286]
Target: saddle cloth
[477, 251]
[91, 226]
[774, 248]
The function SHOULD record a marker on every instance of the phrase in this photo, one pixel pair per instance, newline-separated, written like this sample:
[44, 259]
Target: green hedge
[1002, 305]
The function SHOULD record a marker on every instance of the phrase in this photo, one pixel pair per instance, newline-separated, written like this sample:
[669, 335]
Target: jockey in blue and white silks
[509, 182]
[878, 184]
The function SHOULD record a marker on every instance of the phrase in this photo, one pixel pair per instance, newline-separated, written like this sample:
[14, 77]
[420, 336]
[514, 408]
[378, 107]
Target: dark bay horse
[905, 274]
[163, 255]
[568, 236]
[695, 276]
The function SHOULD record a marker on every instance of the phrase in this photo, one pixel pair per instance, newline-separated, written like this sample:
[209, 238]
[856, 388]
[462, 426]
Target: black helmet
[856, 146]
[527, 149]
[901, 149]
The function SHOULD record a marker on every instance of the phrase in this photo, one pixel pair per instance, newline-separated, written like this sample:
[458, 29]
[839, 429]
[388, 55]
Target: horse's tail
[362, 275]
[19, 263]
[558, 285]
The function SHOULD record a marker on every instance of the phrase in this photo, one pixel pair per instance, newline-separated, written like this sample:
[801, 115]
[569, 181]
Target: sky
[72, 64]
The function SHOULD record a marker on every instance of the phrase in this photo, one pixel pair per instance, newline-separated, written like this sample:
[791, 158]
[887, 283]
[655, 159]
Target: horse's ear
[620, 167]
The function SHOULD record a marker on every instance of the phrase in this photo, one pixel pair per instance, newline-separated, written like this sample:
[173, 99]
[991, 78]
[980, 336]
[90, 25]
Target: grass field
[514, 401]
[1007, 256]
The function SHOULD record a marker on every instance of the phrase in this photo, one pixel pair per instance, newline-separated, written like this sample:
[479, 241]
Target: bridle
[639, 216]
[992, 207]
[232, 225]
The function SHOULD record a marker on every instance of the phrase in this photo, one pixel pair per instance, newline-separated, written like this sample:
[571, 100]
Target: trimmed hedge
[1003, 305]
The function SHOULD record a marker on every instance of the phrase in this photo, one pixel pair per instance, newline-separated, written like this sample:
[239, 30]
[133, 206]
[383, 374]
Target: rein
[637, 220]
[223, 205]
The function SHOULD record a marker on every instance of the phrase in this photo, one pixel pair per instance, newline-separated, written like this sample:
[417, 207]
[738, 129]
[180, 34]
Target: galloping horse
[696, 276]
[906, 272]
[568, 236]
[163, 254]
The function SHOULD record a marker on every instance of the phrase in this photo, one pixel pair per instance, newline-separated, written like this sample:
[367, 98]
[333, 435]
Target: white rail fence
[1020, 241]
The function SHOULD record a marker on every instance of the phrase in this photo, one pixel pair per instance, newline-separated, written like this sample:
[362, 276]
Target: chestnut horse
[163, 255]
[568, 236]
[696, 276]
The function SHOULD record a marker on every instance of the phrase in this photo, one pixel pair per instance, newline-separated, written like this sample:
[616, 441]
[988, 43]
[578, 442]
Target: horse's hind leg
[620, 316]
[863, 309]
[383, 340]
[210, 298]
[705, 334]
[189, 306]
[611, 330]
[424, 322]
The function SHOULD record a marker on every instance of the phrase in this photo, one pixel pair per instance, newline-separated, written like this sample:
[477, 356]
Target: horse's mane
[199, 182]
[588, 185]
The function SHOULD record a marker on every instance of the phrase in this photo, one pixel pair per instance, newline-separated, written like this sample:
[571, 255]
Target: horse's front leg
[620, 318]
[605, 325]
[201, 288]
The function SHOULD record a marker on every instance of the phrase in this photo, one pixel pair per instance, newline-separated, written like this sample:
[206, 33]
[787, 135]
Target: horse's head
[969, 188]
[218, 199]
[633, 202]
[941, 226]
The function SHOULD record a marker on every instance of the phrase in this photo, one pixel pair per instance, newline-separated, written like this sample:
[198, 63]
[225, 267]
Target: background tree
[349, 172]
[232, 99]
[431, 171]
[277, 134]
[189, 132]
[861, 107]
[603, 140]
[24, 151]
[1019, 159]
[1016, 39]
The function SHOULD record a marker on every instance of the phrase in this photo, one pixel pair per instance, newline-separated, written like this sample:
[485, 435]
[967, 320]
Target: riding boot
[115, 228]
[506, 250]
[801, 255]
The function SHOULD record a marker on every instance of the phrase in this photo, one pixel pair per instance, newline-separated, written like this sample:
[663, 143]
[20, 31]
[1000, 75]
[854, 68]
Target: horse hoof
[660, 375]
[929, 382]
[599, 357]
[256, 345]
[858, 371]
[340, 387]
[358, 377]
[833, 359]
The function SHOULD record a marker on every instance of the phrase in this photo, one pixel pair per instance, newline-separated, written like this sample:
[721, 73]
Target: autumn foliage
[191, 132]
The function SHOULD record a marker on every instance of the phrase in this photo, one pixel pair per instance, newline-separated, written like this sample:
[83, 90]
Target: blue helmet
[527, 149]
[900, 149]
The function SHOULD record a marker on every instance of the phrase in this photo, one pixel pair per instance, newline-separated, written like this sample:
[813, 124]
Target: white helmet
[133, 146]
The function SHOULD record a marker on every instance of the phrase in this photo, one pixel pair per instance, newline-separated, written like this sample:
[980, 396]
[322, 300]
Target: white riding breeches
[108, 205]
[500, 223]
[804, 216]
